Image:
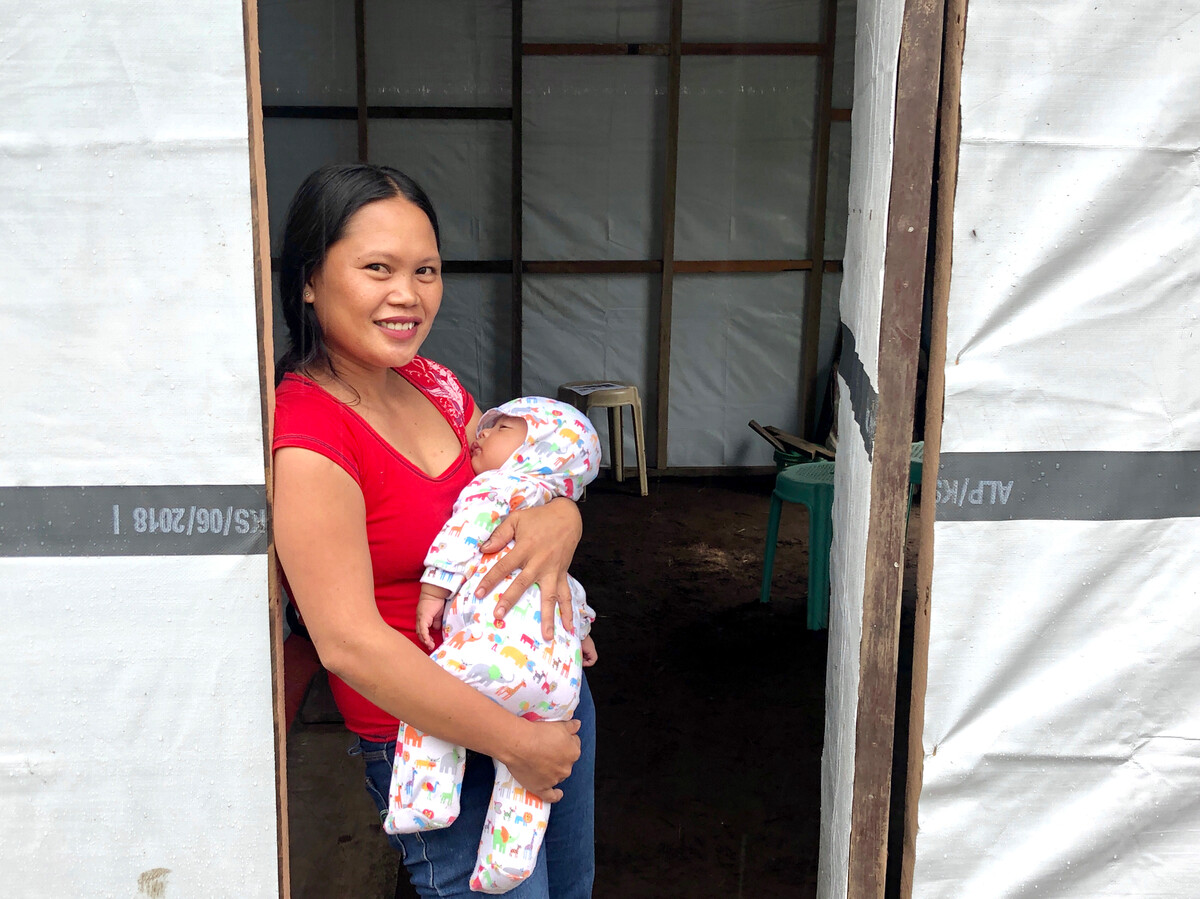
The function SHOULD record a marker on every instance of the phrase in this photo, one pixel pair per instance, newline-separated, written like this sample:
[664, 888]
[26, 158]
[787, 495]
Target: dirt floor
[710, 708]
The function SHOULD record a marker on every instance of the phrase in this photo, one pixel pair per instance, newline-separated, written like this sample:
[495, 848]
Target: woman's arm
[321, 540]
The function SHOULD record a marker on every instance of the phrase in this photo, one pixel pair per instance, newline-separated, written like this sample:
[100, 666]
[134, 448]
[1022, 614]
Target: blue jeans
[440, 862]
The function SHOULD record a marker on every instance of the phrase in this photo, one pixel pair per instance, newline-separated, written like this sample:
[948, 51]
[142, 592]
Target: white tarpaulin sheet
[1062, 731]
[137, 751]
[876, 55]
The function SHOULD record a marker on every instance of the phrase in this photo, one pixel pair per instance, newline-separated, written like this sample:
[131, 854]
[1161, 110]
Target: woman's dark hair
[316, 220]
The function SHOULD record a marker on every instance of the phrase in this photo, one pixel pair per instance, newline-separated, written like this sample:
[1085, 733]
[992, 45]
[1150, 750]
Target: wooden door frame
[261, 240]
[949, 133]
[918, 77]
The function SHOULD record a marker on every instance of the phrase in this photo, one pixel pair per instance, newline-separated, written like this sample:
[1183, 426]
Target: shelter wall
[876, 55]
[1060, 722]
[137, 748]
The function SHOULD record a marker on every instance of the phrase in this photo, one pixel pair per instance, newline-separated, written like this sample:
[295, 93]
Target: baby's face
[496, 443]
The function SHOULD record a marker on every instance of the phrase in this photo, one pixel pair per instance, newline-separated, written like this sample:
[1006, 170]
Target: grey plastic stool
[613, 396]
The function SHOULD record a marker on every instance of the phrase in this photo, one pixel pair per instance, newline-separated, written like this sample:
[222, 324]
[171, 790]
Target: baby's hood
[561, 446]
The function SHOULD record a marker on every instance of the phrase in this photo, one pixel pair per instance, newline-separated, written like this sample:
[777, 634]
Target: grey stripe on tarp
[864, 401]
[1068, 486]
[184, 520]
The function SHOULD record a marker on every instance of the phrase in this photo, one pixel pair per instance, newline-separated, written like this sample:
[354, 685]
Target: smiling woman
[370, 452]
[340, 230]
[377, 293]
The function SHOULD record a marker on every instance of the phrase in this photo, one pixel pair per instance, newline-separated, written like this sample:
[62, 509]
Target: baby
[526, 453]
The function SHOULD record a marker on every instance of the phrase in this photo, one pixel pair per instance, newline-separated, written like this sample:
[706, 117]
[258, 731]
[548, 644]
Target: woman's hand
[544, 540]
[544, 758]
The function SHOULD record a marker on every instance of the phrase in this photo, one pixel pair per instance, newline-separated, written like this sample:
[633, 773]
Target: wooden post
[668, 238]
[518, 207]
[266, 375]
[820, 191]
[360, 76]
[935, 395]
[917, 79]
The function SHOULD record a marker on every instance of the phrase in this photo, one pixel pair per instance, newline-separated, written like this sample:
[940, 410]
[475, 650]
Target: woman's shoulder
[442, 387]
[298, 399]
[308, 417]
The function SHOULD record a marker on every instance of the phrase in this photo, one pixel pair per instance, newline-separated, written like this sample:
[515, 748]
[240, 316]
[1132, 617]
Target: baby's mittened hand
[429, 619]
[587, 646]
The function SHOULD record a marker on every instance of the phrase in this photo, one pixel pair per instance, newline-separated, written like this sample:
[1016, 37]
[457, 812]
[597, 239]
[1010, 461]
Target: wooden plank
[261, 241]
[663, 383]
[816, 234]
[839, 115]
[595, 49]
[917, 80]
[310, 112]
[517, 203]
[592, 266]
[654, 266]
[493, 113]
[756, 49]
[360, 77]
[761, 48]
[742, 265]
[623, 266]
[456, 266]
[935, 395]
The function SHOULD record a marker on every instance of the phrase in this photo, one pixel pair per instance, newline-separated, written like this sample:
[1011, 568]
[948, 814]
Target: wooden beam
[494, 113]
[917, 79]
[742, 265]
[261, 242]
[624, 266]
[595, 49]
[839, 115]
[360, 78]
[935, 395]
[310, 112]
[517, 202]
[756, 49]
[671, 168]
[816, 232]
[762, 48]
[592, 266]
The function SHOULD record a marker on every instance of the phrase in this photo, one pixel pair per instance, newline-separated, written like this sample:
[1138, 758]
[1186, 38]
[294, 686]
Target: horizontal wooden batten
[839, 115]
[492, 113]
[583, 49]
[701, 266]
[656, 49]
[623, 266]
[759, 49]
[591, 267]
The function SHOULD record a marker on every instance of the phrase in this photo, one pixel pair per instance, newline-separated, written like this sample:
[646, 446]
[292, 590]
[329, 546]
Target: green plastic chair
[811, 484]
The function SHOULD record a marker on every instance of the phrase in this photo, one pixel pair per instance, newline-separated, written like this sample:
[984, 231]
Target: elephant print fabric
[507, 660]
